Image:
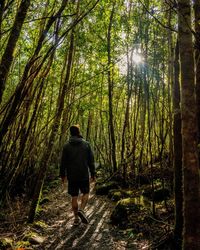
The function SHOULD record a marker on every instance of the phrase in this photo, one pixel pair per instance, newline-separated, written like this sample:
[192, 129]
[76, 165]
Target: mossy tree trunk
[2, 6]
[7, 58]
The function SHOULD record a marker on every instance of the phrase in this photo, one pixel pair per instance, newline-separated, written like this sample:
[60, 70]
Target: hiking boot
[76, 222]
[83, 217]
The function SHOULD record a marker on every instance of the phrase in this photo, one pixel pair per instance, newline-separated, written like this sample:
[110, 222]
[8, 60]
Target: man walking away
[76, 163]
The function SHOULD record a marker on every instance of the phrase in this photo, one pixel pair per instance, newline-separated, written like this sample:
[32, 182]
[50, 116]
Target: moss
[122, 211]
[129, 204]
[128, 193]
[34, 238]
[103, 189]
[98, 173]
[22, 244]
[40, 225]
[45, 191]
[117, 196]
[111, 192]
[6, 243]
[29, 235]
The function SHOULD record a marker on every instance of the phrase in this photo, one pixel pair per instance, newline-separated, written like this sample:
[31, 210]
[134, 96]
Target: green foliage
[6, 243]
[129, 203]
[143, 90]
[40, 225]
[22, 244]
[118, 194]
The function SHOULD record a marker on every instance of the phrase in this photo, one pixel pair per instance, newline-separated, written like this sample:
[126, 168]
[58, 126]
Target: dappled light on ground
[53, 227]
[98, 234]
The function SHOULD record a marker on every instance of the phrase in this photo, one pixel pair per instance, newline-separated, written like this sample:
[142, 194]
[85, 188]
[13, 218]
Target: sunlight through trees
[127, 72]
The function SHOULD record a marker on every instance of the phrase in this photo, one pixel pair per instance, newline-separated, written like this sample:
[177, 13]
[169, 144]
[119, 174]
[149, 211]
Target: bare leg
[75, 206]
[84, 200]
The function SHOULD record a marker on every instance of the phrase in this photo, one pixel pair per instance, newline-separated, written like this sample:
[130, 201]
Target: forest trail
[53, 227]
[98, 234]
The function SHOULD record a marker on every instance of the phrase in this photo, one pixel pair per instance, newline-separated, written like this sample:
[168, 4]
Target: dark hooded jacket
[77, 160]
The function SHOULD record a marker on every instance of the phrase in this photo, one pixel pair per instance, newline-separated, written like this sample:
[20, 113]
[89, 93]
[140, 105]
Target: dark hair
[74, 130]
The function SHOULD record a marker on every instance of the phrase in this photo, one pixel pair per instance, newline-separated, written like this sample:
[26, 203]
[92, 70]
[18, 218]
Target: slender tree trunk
[30, 72]
[25, 136]
[89, 125]
[191, 178]
[7, 57]
[126, 118]
[197, 59]
[2, 5]
[170, 83]
[143, 112]
[110, 94]
[136, 98]
[54, 130]
[178, 189]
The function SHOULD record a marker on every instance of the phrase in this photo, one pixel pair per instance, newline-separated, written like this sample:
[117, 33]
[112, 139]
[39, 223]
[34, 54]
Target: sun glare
[137, 58]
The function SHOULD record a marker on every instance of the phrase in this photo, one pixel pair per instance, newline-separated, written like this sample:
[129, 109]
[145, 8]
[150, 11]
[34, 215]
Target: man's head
[75, 130]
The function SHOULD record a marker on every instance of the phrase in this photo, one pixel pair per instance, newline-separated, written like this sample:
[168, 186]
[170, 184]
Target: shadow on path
[98, 234]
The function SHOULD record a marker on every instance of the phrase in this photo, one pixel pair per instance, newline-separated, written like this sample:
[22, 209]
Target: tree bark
[31, 70]
[126, 119]
[197, 59]
[7, 57]
[2, 5]
[191, 178]
[110, 93]
[54, 130]
[177, 162]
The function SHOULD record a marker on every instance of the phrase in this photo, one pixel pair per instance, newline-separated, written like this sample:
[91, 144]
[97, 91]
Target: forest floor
[53, 228]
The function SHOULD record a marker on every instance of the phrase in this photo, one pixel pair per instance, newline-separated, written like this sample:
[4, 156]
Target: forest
[126, 71]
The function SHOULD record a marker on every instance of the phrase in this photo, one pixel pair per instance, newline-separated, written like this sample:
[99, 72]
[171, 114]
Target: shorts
[74, 187]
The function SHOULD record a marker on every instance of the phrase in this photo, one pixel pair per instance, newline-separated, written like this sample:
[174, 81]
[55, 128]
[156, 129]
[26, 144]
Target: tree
[197, 59]
[178, 190]
[7, 57]
[110, 91]
[56, 122]
[191, 178]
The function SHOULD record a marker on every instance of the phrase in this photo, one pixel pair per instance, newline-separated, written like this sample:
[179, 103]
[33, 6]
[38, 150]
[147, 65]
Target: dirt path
[98, 234]
[53, 227]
